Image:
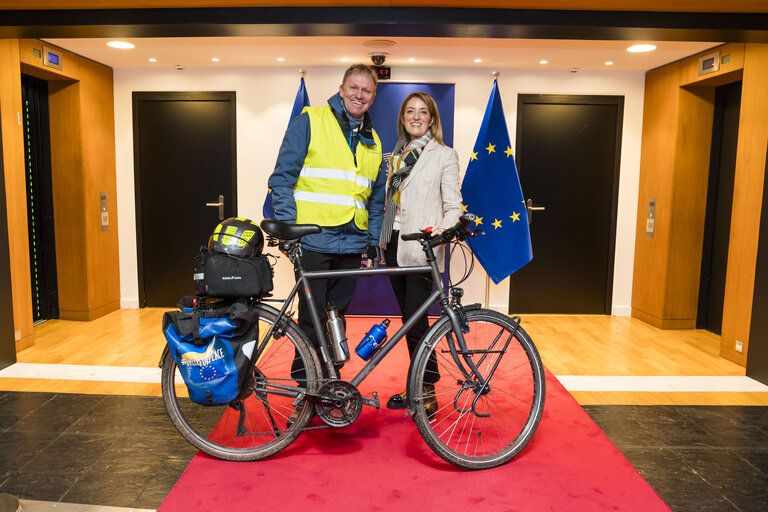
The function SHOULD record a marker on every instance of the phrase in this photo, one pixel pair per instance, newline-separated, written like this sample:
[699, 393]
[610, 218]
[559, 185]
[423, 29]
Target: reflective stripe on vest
[331, 189]
[332, 199]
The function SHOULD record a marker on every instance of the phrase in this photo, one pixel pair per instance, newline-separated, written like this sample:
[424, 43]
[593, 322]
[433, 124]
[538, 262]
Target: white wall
[264, 100]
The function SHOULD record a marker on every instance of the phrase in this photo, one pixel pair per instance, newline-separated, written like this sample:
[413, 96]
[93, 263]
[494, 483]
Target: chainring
[347, 406]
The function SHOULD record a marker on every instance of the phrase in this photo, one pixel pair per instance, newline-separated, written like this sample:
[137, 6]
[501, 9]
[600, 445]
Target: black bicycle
[480, 367]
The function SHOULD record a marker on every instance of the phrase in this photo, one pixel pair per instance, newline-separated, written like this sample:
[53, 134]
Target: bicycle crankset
[340, 403]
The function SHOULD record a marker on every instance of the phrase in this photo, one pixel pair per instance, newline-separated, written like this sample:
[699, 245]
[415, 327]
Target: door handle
[529, 206]
[220, 204]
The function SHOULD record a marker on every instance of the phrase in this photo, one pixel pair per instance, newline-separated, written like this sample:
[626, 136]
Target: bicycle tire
[513, 400]
[213, 429]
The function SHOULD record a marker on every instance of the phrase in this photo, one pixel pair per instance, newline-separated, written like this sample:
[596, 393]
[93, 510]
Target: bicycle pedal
[373, 401]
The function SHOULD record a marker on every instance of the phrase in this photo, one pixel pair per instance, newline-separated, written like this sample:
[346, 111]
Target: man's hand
[373, 254]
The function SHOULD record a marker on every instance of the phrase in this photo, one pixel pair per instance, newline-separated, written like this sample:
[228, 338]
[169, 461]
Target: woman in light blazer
[422, 191]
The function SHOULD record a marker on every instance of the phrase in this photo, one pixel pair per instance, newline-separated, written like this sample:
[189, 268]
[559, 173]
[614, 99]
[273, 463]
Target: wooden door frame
[139, 96]
[588, 99]
[7, 332]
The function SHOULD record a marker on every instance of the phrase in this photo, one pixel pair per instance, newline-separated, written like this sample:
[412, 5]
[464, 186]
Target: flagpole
[302, 72]
[495, 75]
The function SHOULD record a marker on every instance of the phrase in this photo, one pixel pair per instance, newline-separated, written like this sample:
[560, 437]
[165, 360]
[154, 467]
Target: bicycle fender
[162, 356]
[268, 308]
[423, 346]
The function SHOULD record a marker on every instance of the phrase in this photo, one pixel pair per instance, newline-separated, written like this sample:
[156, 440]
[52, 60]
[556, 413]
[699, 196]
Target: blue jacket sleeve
[290, 160]
[376, 205]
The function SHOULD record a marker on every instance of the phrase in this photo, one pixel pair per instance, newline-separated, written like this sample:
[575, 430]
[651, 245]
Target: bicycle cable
[468, 267]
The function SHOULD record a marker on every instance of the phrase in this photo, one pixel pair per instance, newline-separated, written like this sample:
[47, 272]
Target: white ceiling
[301, 52]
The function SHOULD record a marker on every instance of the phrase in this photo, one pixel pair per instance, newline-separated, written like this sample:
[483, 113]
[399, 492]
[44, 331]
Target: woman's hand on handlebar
[437, 236]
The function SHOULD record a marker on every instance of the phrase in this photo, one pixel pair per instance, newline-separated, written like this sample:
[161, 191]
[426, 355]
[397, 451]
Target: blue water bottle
[373, 340]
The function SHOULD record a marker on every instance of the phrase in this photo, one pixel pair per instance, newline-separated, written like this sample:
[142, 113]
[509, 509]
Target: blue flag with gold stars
[301, 101]
[491, 190]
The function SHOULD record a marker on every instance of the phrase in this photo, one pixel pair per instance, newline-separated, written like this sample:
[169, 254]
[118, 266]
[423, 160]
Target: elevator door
[40, 222]
[717, 224]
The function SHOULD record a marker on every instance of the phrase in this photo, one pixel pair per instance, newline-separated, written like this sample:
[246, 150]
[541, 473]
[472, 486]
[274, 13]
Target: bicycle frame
[302, 281]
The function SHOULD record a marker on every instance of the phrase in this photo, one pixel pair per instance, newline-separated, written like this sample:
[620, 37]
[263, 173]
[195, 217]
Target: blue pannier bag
[212, 350]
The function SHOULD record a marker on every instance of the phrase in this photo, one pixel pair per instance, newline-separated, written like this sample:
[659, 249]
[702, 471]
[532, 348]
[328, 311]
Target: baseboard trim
[664, 323]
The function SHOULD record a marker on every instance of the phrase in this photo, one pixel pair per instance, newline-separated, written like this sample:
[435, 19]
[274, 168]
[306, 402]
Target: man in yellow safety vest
[328, 172]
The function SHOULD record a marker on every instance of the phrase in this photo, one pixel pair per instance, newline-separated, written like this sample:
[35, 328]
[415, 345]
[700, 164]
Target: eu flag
[301, 101]
[491, 190]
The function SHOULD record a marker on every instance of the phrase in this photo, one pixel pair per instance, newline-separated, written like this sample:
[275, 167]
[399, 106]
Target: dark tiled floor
[101, 450]
[123, 451]
[698, 458]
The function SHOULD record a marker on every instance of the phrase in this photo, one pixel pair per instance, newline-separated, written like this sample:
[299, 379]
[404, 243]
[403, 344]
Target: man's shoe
[397, 401]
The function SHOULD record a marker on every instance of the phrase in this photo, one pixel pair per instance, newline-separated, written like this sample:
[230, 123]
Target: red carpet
[382, 463]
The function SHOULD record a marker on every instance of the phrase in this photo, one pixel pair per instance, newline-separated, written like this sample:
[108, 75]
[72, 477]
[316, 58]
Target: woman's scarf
[404, 157]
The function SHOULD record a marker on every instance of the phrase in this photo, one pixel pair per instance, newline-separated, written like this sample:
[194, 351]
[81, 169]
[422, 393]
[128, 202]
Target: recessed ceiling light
[123, 45]
[215, 59]
[152, 59]
[544, 61]
[641, 48]
[411, 60]
[609, 63]
[478, 60]
[344, 59]
[281, 59]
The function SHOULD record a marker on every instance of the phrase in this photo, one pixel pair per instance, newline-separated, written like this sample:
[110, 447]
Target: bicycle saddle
[285, 231]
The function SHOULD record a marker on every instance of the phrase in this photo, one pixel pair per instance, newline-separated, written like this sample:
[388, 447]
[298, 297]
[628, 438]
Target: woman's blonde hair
[436, 129]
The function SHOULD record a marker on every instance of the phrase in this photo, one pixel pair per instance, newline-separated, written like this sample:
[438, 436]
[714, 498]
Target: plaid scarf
[404, 157]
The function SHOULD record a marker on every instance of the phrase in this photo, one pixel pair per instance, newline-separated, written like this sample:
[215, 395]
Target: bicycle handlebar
[459, 230]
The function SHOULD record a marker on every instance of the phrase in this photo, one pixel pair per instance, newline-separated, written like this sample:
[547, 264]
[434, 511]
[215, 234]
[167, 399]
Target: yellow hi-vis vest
[331, 189]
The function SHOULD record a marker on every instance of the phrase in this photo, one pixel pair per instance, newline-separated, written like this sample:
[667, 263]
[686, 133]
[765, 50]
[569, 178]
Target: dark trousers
[411, 291]
[324, 291]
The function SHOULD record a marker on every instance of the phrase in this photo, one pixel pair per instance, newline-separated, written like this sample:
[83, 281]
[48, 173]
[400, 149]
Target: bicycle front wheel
[268, 416]
[484, 418]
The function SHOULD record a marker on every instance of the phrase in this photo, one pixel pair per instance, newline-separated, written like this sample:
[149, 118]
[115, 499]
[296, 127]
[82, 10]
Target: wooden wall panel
[733, 53]
[747, 203]
[666, 278]
[688, 207]
[15, 190]
[68, 202]
[661, 104]
[98, 127]
[587, 5]
[81, 105]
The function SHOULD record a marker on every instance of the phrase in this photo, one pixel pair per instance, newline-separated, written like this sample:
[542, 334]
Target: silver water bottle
[337, 336]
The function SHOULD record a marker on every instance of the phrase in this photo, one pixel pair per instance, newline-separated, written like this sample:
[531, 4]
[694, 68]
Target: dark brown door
[184, 157]
[568, 160]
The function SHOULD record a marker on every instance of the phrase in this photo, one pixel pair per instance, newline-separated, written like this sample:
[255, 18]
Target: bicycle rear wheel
[476, 426]
[257, 425]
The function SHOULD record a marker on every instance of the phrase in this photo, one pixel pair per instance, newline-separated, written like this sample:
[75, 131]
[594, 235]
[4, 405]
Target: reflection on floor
[122, 451]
